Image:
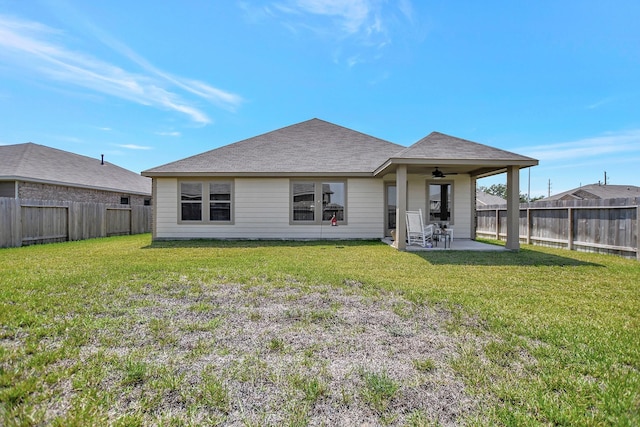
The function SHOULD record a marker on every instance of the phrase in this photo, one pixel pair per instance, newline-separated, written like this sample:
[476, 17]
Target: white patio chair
[416, 231]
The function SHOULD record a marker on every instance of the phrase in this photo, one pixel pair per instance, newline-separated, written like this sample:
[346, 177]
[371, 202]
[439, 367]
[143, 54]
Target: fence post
[638, 232]
[570, 236]
[497, 224]
[17, 224]
[528, 223]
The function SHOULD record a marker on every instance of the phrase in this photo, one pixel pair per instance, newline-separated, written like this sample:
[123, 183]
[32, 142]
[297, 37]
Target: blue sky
[148, 82]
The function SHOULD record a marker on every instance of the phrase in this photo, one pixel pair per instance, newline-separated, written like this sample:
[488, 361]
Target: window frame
[205, 202]
[451, 183]
[318, 201]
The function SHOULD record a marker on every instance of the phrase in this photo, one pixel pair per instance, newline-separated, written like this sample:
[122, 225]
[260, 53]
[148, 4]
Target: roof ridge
[464, 140]
[355, 131]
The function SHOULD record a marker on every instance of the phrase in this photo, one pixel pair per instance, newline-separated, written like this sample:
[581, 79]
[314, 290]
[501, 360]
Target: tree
[500, 190]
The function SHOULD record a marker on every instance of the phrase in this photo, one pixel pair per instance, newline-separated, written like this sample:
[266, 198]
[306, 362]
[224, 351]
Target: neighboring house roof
[310, 147]
[316, 147]
[598, 191]
[38, 163]
[486, 199]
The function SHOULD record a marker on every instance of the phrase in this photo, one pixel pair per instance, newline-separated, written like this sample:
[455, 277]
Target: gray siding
[261, 211]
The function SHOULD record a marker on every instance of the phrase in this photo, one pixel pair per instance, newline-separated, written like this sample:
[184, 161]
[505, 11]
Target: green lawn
[120, 331]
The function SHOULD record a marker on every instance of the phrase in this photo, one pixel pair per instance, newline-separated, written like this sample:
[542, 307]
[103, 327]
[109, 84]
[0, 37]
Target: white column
[401, 208]
[513, 208]
[473, 221]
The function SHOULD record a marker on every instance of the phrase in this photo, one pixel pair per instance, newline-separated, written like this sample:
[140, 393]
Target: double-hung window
[317, 201]
[191, 201]
[209, 201]
[220, 201]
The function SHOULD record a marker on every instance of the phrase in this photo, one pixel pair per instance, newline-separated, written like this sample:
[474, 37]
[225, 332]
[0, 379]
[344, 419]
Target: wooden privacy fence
[607, 226]
[26, 222]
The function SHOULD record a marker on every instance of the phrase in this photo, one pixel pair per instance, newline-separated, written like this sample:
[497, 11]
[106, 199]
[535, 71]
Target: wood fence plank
[609, 226]
[43, 221]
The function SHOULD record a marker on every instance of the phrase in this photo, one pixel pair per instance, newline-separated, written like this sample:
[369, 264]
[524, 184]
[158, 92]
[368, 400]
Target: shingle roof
[485, 199]
[598, 191]
[310, 147]
[38, 163]
[438, 146]
[317, 147]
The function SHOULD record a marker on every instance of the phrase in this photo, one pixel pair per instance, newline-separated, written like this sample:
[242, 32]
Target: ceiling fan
[438, 174]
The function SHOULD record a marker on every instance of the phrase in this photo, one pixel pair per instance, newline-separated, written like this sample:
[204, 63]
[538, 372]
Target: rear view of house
[318, 180]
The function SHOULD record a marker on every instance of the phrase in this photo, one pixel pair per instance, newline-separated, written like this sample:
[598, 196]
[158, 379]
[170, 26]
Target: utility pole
[605, 177]
[549, 189]
[529, 186]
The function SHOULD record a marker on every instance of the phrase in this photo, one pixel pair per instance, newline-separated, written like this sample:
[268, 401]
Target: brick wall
[36, 191]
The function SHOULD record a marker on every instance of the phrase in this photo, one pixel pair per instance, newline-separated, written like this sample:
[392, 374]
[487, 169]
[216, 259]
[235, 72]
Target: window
[210, 201]
[220, 201]
[147, 202]
[191, 201]
[440, 198]
[124, 200]
[304, 196]
[318, 201]
[333, 200]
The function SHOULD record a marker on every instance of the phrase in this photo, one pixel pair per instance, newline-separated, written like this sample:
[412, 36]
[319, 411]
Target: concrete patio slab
[457, 245]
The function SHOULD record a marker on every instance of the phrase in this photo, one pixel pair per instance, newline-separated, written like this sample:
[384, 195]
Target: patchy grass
[120, 331]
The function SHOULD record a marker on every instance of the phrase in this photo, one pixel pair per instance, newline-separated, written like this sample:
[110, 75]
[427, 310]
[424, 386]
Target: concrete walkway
[457, 245]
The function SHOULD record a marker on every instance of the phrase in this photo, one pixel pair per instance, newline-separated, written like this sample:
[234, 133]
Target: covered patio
[439, 157]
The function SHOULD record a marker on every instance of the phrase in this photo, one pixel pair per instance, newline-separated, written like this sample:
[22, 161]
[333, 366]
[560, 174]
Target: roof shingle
[34, 162]
[438, 146]
[314, 146]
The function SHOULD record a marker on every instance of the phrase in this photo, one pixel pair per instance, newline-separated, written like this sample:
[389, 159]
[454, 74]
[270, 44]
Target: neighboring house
[485, 199]
[598, 191]
[32, 171]
[289, 183]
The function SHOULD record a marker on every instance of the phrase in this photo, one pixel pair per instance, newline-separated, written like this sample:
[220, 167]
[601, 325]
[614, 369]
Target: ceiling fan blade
[437, 173]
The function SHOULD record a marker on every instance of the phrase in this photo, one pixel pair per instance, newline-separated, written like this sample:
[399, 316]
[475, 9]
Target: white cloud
[357, 25]
[611, 143]
[134, 147]
[406, 8]
[169, 133]
[351, 14]
[30, 46]
[599, 103]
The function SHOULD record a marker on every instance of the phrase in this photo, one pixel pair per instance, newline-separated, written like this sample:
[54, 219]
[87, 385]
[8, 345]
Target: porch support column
[513, 208]
[474, 215]
[401, 208]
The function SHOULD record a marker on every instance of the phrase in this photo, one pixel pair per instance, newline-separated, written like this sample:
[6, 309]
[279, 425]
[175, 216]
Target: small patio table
[445, 235]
